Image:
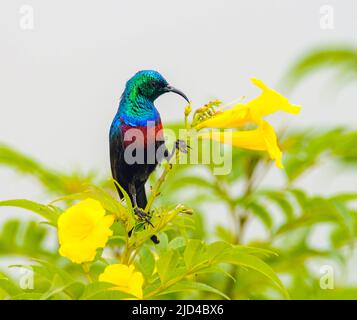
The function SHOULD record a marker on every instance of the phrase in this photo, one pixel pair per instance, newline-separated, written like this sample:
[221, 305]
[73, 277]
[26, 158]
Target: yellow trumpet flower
[82, 229]
[268, 102]
[125, 278]
[263, 138]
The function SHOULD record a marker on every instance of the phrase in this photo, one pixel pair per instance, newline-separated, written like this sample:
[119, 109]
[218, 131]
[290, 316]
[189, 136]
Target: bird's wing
[117, 155]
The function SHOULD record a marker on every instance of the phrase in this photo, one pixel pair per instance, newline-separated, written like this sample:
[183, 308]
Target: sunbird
[137, 123]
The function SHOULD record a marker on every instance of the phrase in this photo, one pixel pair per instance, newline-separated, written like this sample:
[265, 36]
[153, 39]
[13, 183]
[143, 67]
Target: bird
[137, 130]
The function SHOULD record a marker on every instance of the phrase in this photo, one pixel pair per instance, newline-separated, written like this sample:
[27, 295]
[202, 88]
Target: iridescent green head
[149, 85]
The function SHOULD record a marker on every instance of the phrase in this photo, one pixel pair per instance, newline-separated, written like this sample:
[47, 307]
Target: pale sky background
[60, 83]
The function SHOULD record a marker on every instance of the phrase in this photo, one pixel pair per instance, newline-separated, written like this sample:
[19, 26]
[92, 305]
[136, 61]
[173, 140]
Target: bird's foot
[143, 215]
[154, 239]
[179, 145]
[182, 146]
[146, 217]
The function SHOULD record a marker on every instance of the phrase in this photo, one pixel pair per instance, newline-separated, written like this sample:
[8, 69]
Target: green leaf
[251, 262]
[52, 180]
[47, 212]
[75, 290]
[339, 58]
[216, 269]
[320, 210]
[177, 242]
[263, 214]
[193, 253]
[192, 285]
[216, 249]
[254, 250]
[27, 296]
[9, 235]
[281, 200]
[344, 197]
[26, 165]
[300, 196]
[57, 286]
[7, 285]
[27, 238]
[225, 233]
[53, 281]
[337, 294]
[162, 247]
[146, 262]
[168, 266]
[126, 197]
[306, 149]
[103, 291]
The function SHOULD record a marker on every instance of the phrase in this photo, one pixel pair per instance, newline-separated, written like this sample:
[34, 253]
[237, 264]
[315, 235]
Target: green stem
[240, 222]
[155, 190]
[131, 259]
[187, 112]
[86, 269]
[127, 251]
[187, 126]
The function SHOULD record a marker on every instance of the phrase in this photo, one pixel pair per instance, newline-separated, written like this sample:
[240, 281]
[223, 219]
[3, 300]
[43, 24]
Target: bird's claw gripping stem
[181, 146]
[143, 215]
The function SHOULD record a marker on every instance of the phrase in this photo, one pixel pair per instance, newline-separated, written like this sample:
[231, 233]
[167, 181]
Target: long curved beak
[174, 90]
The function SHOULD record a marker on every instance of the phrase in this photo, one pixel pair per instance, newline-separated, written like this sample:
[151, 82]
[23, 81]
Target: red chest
[142, 135]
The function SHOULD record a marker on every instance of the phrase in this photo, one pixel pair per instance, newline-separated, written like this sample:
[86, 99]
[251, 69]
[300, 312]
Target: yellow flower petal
[77, 252]
[82, 229]
[232, 118]
[125, 278]
[268, 102]
[261, 139]
[271, 141]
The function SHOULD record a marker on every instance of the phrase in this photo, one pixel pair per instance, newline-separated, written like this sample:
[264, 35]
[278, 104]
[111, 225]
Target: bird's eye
[155, 85]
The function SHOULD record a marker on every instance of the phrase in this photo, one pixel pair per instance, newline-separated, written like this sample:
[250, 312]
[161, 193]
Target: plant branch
[155, 190]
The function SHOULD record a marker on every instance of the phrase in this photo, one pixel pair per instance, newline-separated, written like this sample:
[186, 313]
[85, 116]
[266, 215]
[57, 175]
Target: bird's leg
[138, 211]
[179, 145]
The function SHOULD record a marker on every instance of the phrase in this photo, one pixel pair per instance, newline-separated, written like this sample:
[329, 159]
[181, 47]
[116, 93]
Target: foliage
[342, 59]
[196, 260]
[170, 267]
[186, 261]
[289, 215]
[51, 180]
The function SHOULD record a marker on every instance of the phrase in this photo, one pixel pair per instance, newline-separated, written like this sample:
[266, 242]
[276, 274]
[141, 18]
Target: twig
[85, 267]
[155, 190]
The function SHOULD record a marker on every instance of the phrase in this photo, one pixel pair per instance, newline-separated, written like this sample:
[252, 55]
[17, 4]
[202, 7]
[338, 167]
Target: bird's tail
[141, 201]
